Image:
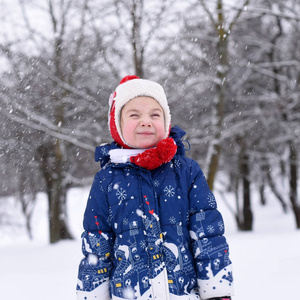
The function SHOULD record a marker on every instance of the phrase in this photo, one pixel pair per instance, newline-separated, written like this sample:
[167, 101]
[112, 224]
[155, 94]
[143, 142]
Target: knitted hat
[131, 87]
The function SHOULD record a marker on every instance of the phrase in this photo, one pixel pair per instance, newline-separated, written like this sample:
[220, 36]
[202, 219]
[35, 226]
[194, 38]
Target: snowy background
[266, 261]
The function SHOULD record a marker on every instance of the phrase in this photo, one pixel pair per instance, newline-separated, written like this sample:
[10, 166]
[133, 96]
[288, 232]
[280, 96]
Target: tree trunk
[262, 194]
[246, 221]
[27, 198]
[58, 227]
[222, 33]
[215, 152]
[137, 45]
[293, 184]
[238, 218]
[51, 168]
[218, 117]
[276, 191]
[247, 211]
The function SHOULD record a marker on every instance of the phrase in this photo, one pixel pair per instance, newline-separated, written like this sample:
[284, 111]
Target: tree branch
[239, 12]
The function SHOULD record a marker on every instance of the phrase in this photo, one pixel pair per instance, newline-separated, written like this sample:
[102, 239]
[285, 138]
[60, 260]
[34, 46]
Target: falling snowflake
[172, 220]
[210, 229]
[211, 201]
[121, 194]
[221, 225]
[169, 191]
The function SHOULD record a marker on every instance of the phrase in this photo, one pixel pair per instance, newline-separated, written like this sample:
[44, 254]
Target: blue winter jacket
[153, 234]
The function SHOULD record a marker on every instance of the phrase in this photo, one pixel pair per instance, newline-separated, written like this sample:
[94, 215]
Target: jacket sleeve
[211, 252]
[97, 244]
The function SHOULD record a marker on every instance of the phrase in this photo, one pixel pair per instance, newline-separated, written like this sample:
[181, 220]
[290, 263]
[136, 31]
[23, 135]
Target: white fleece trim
[99, 293]
[160, 286]
[216, 286]
[120, 156]
[192, 296]
[159, 289]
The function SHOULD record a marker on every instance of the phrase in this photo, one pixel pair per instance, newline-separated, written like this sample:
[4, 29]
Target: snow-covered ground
[266, 261]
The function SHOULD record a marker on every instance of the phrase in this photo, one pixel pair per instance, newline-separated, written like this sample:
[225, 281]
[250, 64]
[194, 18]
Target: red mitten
[151, 159]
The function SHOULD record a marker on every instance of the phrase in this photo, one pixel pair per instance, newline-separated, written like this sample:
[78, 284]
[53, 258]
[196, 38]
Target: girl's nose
[146, 123]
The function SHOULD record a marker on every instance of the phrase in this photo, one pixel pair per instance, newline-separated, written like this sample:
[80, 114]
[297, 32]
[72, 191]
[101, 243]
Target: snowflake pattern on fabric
[221, 225]
[110, 215]
[104, 151]
[109, 188]
[169, 191]
[172, 220]
[210, 229]
[143, 244]
[121, 194]
[211, 201]
[177, 163]
[156, 183]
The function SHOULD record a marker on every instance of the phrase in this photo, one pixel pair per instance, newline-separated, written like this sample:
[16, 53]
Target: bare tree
[52, 96]
[139, 24]
[222, 31]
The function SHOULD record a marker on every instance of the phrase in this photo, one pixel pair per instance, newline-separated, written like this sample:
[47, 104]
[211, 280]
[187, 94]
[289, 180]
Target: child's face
[142, 122]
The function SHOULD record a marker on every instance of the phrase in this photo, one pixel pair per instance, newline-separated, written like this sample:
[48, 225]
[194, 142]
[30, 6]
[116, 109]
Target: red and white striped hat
[131, 87]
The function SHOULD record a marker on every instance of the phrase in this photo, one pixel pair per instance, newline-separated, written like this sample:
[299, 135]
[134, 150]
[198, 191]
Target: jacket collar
[102, 152]
[121, 156]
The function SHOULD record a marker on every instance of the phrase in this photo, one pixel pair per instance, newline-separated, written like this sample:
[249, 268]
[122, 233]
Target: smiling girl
[152, 228]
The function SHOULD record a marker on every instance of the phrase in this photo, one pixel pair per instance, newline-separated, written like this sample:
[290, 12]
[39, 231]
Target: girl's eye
[156, 115]
[133, 115]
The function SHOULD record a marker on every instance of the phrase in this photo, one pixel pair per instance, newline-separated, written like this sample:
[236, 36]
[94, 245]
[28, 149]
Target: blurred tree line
[231, 71]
